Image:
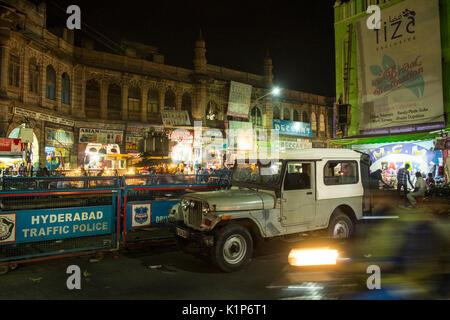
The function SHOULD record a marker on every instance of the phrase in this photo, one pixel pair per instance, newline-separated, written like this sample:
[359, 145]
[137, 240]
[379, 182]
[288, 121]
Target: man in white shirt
[419, 189]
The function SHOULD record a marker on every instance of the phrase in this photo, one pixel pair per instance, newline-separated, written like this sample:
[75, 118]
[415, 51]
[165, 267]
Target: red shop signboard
[11, 145]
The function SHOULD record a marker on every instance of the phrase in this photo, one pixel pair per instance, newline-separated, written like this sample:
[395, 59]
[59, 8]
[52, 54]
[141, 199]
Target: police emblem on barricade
[7, 227]
[141, 215]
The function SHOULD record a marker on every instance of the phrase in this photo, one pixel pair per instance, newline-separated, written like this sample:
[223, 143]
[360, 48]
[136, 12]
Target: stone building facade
[48, 83]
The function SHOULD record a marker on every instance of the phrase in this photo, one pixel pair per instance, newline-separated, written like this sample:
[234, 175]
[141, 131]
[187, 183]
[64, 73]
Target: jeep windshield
[257, 174]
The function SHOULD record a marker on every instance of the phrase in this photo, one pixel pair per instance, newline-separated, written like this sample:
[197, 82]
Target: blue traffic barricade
[46, 217]
[148, 199]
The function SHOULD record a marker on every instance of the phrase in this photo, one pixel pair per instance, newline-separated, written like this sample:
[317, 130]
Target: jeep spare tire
[233, 248]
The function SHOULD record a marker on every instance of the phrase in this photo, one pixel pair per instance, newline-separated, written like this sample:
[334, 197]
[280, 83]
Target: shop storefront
[48, 140]
[442, 144]
[210, 149]
[389, 154]
[240, 140]
[289, 133]
[182, 147]
[101, 149]
[59, 150]
[11, 155]
[30, 145]
[389, 158]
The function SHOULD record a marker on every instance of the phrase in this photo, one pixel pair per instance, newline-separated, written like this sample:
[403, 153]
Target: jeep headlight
[206, 208]
[185, 204]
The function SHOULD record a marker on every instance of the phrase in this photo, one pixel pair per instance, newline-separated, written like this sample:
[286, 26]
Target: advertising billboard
[400, 68]
[239, 99]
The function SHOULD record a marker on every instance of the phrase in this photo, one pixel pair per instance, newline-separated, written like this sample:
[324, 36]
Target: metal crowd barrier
[48, 217]
[148, 199]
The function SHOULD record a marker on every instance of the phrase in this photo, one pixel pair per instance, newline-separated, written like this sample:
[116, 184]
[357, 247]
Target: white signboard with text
[239, 99]
[400, 68]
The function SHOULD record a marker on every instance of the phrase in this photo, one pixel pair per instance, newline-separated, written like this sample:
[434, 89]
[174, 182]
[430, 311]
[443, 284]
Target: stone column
[73, 92]
[58, 90]
[4, 72]
[178, 99]
[40, 134]
[103, 99]
[161, 98]
[125, 102]
[25, 79]
[144, 96]
[268, 114]
[198, 110]
[43, 82]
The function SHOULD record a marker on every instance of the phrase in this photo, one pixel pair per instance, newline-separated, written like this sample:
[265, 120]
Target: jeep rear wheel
[340, 227]
[233, 248]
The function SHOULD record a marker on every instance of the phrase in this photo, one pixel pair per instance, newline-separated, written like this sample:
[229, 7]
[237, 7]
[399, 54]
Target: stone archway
[13, 133]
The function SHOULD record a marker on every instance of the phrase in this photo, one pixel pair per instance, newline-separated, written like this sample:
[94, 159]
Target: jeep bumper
[202, 239]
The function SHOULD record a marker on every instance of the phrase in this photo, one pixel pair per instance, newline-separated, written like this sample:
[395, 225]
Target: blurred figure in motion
[413, 254]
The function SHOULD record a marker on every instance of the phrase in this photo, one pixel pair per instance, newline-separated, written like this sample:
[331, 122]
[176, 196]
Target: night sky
[298, 34]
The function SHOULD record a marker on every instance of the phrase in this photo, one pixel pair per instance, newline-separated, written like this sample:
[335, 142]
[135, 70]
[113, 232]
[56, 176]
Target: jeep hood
[235, 199]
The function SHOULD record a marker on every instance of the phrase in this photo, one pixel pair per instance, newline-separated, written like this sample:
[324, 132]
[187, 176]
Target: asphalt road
[164, 272]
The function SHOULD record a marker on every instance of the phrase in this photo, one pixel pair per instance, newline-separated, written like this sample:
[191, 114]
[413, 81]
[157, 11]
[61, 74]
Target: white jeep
[304, 191]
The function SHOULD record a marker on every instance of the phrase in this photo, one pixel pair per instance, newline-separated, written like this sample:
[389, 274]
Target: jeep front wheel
[233, 248]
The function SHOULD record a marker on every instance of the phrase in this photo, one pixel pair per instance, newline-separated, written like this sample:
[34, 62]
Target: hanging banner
[43, 116]
[175, 118]
[239, 99]
[400, 68]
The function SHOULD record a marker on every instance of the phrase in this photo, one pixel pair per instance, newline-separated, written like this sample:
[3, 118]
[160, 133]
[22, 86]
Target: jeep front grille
[195, 214]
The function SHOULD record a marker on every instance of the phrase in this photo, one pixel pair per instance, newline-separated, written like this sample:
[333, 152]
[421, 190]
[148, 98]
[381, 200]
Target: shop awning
[385, 139]
[152, 161]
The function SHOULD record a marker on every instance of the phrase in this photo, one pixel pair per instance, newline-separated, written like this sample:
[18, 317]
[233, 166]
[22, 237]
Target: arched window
[305, 117]
[92, 101]
[114, 97]
[256, 116]
[276, 112]
[296, 116]
[313, 122]
[169, 101]
[50, 86]
[14, 71]
[152, 101]
[212, 111]
[34, 76]
[286, 114]
[186, 102]
[65, 88]
[134, 101]
[321, 123]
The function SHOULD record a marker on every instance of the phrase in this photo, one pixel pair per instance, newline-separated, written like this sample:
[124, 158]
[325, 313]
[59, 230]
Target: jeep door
[298, 205]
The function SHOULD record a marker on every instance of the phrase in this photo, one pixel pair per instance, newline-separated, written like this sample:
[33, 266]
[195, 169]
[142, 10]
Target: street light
[275, 92]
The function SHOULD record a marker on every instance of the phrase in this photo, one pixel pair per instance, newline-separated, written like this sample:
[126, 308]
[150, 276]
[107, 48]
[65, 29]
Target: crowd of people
[419, 188]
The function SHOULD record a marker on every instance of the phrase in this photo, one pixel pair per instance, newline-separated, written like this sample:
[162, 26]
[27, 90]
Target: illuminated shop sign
[393, 156]
[294, 128]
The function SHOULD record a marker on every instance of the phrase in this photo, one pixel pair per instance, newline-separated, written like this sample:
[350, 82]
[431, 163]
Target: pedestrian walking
[403, 178]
